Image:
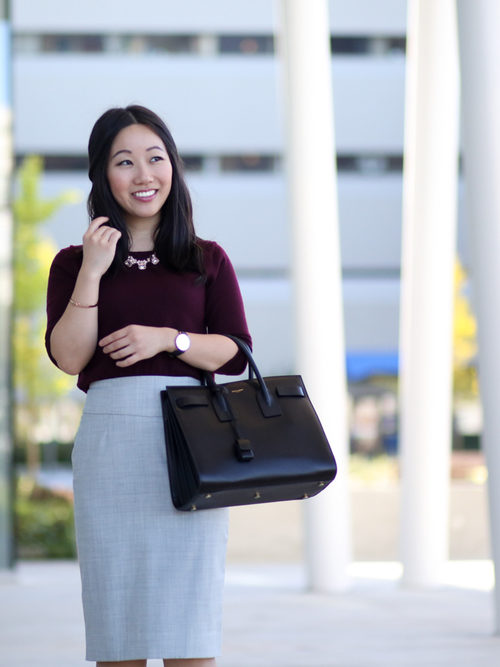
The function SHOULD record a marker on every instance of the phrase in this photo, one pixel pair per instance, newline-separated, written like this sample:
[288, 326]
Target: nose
[143, 174]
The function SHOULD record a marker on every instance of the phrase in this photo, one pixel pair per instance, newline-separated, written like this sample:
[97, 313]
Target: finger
[116, 335]
[115, 235]
[102, 232]
[94, 225]
[97, 222]
[129, 361]
[96, 234]
[122, 353]
[105, 234]
[118, 345]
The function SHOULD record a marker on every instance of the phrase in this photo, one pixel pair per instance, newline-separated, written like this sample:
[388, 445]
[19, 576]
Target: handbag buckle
[244, 452]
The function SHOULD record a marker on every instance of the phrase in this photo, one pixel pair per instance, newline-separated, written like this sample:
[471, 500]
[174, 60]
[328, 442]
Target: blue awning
[362, 365]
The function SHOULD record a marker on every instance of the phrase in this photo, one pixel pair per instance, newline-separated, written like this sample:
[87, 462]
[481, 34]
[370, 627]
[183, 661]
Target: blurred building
[211, 69]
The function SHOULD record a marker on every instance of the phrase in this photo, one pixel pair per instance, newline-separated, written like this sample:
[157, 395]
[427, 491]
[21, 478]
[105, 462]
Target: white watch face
[182, 342]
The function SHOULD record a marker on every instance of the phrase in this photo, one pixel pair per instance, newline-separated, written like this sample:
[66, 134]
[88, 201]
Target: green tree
[464, 340]
[36, 381]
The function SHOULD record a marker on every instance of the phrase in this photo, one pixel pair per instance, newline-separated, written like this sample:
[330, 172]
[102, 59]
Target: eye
[157, 158]
[124, 162]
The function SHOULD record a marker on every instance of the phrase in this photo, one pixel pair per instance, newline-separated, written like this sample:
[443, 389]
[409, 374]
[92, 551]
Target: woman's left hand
[136, 342]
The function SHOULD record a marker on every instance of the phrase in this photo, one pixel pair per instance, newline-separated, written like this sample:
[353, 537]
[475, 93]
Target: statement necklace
[141, 263]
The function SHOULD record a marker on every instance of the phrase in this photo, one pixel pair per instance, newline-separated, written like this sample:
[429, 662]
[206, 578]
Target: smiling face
[139, 174]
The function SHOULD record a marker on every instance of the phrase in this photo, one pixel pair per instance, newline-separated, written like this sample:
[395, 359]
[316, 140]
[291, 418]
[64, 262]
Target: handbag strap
[269, 406]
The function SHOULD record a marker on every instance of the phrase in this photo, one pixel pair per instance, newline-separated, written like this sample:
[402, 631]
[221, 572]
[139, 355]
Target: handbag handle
[266, 398]
[252, 368]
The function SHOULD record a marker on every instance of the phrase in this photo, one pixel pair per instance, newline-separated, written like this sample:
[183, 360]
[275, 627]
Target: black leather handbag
[245, 442]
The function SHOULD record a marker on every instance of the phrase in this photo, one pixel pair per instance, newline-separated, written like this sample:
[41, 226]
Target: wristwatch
[182, 344]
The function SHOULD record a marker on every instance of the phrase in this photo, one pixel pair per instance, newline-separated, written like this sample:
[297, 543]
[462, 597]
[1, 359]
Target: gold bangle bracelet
[77, 304]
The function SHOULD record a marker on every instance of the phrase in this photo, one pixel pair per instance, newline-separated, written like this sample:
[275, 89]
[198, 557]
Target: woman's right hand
[99, 246]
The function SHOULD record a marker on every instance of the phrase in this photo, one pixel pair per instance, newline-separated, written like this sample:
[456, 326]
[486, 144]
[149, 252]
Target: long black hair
[175, 242]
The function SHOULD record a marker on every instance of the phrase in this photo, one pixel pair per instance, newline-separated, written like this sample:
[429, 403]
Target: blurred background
[211, 70]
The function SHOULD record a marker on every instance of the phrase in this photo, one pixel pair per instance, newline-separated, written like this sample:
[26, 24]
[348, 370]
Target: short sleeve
[225, 313]
[62, 278]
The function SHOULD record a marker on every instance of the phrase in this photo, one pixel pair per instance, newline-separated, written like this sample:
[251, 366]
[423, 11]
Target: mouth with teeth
[144, 195]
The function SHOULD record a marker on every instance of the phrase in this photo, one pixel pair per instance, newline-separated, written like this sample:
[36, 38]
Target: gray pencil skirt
[152, 576]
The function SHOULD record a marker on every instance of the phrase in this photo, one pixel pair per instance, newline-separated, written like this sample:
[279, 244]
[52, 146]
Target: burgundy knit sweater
[154, 297]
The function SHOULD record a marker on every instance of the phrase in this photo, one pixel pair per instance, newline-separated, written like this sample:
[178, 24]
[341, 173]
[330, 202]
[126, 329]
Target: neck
[147, 246]
[141, 238]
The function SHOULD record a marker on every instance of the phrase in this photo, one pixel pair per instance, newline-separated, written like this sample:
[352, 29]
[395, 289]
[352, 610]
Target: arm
[135, 342]
[73, 339]
[208, 351]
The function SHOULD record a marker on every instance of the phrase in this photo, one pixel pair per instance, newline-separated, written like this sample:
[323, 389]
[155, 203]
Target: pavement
[271, 620]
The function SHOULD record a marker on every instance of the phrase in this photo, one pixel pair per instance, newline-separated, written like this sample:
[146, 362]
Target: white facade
[223, 108]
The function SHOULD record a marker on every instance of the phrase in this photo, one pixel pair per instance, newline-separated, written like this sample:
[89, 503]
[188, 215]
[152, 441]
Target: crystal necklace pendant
[141, 263]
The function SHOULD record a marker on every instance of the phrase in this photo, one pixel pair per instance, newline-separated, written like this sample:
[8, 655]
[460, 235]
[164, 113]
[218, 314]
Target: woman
[143, 303]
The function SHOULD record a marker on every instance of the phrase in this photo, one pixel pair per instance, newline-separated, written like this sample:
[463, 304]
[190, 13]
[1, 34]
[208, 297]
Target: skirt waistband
[134, 395]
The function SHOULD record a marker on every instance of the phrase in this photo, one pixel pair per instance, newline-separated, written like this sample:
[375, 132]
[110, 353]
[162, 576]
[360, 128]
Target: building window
[349, 45]
[192, 162]
[64, 43]
[248, 163]
[369, 46]
[72, 43]
[396, 45]
[246, 44]
[370, 164]
[190, 43]
[60, 162]
[160, 44]
[394, 162]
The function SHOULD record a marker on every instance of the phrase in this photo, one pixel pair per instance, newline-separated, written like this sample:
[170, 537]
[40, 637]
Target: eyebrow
[125, 150]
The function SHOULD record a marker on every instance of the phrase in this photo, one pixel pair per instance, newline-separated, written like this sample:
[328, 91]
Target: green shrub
[49, 452]
[44, 525]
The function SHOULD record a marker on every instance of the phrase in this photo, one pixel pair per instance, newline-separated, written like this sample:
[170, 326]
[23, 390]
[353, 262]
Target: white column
[479, 29]
[428, 252]
[310, 153]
